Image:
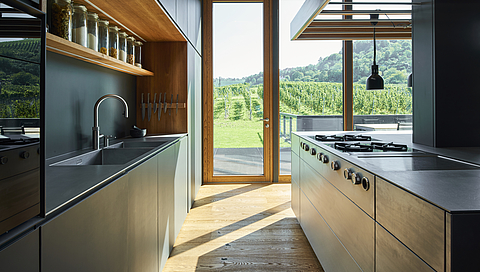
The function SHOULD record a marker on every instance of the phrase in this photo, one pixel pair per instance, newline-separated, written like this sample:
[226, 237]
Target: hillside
[393, 57]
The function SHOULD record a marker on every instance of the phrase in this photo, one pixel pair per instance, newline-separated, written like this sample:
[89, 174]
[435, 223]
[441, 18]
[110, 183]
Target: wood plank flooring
[242, 227]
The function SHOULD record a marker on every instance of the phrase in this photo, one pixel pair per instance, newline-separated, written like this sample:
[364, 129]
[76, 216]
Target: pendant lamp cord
[374, 48]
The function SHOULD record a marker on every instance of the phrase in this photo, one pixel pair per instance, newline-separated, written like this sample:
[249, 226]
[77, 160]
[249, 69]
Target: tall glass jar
[103, 36]
[79, 25]
[92, 30]
[138, 54]
[131, 50]
[61, 17]
[122, 46]
[113, 41]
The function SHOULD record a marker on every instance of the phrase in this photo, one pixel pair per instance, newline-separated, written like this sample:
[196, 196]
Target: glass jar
[122, 46]
[61, 16]
[79, 25]
[92, 31]
[103, 36]
[138, 54]
[131, 50]
[113, 41]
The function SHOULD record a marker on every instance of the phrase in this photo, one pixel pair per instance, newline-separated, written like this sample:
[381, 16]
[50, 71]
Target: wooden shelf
[70, 49]
[144, 19]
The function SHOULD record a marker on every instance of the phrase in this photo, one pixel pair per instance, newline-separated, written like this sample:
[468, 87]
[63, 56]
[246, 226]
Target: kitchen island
[390, 211]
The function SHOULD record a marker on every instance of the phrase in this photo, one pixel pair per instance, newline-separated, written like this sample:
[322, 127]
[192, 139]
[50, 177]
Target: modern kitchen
[106, 145]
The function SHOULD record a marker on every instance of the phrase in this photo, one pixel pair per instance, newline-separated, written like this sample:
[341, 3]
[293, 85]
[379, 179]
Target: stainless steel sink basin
[150, 144]
[113, 156]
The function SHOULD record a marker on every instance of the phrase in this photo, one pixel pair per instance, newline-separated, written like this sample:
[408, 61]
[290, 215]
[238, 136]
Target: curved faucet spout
[95, 128]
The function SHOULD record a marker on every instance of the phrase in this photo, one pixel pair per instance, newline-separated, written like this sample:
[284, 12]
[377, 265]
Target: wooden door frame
[207, 89]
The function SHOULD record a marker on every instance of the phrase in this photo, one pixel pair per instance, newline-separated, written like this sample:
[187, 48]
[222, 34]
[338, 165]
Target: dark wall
[446, 53]
[72, 88]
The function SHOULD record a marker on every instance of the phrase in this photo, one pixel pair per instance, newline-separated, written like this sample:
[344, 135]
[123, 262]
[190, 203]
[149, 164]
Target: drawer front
[295, 143]
[330, 252]
[416, 223]
[353, 227]
[295, 167]
[391, 255]
[363, 198]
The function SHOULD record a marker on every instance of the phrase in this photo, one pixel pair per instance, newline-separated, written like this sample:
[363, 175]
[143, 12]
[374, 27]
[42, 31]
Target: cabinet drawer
[391, 255]
[416, 223]
[330, 252]
[353, 227]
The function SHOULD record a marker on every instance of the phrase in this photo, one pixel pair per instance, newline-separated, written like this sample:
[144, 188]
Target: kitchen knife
[176, 111]
[155, 103]
[143, 109]
[171, 104]
[165, 103]
[160, 107]
[149, 107]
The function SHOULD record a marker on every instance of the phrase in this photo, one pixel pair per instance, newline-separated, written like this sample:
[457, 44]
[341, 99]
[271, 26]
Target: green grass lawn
[239, 133]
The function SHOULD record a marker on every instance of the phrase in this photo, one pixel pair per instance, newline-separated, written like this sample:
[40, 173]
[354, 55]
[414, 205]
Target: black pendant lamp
[410, 80]
[374, 81]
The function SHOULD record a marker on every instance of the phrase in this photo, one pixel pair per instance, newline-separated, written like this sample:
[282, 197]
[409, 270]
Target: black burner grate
[356, 137]
[355, 147]
[389, 146]
[329, 138]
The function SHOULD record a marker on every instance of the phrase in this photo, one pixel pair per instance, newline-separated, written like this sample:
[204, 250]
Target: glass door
[239, 148]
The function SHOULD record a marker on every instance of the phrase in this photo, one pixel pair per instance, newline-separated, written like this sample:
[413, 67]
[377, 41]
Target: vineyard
[245, 102]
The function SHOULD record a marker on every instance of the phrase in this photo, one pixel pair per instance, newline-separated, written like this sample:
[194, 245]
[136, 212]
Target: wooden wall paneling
[168, 60]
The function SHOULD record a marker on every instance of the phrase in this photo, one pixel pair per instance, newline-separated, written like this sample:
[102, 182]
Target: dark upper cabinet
[23, 255]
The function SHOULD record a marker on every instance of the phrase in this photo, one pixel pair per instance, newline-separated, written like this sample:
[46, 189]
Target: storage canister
[138, 54]
[113, 41]
[79, 25]
[103, 36]
[61, 17]
[92, 30]
[122, 46]
[131, 50]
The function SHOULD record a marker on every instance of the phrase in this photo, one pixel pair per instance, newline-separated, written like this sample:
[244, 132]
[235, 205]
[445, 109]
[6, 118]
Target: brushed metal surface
[392, 256]
[417, 224]
[353, 227]
[329, 250]
[180, 187]
[295, 187]
[23, 255]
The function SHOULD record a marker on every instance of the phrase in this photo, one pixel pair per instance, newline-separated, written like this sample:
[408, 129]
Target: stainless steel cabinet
[90, 236]
[295, 186]
[23, 255]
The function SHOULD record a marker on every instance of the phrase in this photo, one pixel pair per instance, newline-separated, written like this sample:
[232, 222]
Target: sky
[238, 44]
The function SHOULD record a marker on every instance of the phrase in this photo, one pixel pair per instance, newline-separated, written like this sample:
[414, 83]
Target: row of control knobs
[23, 155]
[356, 178]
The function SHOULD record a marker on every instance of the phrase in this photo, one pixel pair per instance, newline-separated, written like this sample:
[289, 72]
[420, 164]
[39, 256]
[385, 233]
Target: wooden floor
[246, 227]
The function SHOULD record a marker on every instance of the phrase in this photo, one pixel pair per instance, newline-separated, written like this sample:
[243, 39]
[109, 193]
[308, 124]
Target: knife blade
[160, 107]
[165, 103]
[149, 107]
[171, 104]
[143, 109]
[155, 103]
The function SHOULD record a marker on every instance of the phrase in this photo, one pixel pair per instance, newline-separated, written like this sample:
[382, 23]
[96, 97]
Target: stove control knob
[365, 183]
[347, 173]
[24, 155]
[3, 160]
[319, 156]
[335, 165]
[313, 152]
[301, 145]
[324, 158]
[306, 147]
[356, 178]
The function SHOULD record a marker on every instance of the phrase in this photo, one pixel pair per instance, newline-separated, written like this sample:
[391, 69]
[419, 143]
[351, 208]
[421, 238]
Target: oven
[22, 92]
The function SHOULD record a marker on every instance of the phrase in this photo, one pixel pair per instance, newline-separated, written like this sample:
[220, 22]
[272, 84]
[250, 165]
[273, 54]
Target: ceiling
[350, 20]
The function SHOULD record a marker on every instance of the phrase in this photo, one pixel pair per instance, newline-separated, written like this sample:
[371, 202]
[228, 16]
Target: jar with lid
[113, 41]
[122, 46]
[103, 36]
[61, 19]
[79, 25]
[138, 54]
[131, 50]
[92, 30]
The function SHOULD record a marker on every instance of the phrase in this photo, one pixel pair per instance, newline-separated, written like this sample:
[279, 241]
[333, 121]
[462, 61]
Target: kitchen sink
[150, 145]
[108, 156]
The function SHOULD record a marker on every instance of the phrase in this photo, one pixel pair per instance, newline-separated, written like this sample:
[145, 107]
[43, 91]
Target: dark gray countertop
[455, 191]
[66, 184]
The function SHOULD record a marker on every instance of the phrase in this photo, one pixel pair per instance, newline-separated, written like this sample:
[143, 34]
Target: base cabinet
[23, 255]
